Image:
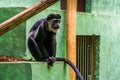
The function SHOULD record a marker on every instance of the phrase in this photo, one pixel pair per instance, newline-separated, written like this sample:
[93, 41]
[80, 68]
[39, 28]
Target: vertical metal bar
[85, 57]
[81, 54]
[90, 56]
[93, 57]
[89, 52]
[77, 52]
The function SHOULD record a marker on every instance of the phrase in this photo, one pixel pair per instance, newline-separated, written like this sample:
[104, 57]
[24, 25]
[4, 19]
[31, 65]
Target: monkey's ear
[58, 16]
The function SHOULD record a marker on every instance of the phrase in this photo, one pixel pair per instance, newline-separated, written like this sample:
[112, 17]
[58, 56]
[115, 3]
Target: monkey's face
[54, 25]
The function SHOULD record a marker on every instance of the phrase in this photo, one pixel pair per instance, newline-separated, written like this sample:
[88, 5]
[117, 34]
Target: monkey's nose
[56, 27]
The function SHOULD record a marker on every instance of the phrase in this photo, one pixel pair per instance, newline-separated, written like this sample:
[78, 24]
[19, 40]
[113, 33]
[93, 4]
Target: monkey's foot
[51, 60]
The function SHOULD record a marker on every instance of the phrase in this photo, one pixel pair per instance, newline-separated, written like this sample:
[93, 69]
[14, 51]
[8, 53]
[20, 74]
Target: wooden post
[71, 34]
[24, 15]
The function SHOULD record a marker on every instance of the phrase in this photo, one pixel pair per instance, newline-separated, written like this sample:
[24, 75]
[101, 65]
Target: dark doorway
[87, 56]
[80, 5]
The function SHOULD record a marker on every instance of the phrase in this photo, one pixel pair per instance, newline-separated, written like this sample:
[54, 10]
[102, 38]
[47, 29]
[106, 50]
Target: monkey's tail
[73, 67]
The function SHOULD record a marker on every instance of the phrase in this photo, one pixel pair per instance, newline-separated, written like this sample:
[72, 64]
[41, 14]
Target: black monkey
[42, 38]
[42, 41]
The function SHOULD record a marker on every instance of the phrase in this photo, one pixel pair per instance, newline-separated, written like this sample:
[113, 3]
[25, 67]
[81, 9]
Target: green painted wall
[41, 71]
[16, 71]
[33, 71]
[108, 28]
[108, 7]
[12, 43]
[88, 6]
[24, 3]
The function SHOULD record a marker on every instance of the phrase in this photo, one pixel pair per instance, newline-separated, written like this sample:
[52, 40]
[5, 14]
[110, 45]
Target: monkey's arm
[53, 47]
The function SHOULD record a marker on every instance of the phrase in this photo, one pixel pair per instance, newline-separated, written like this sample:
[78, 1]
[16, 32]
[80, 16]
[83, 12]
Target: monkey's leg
[34, 49]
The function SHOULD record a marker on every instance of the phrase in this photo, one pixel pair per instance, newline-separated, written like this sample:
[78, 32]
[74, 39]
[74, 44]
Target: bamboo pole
[24, 15]
[71, 34]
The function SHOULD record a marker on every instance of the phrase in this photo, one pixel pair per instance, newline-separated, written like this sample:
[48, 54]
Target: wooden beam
[71, 34]
[24, 15]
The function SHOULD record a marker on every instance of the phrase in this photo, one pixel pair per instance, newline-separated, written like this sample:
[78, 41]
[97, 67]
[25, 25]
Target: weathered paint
[15, 71]
[12, 43]
[24, 3]
[108, 28]
[105, 7]
[33, 71]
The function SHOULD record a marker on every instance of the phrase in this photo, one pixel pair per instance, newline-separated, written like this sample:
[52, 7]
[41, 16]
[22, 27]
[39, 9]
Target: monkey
[42, 38]
[42, 41]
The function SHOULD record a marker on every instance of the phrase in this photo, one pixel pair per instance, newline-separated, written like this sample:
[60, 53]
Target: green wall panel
[110, 7]
[17, 3]
[97, 57]
[12, 43]
[88, 6]
[33, 71]
[15, 71]
[108, 28]
[41, 71]
[24, 3]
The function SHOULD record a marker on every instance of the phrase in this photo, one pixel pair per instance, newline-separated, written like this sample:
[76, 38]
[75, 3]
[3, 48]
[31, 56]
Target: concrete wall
[13, 42]
[107, 25]
[33, 71]
[108, 28]
[108, 7]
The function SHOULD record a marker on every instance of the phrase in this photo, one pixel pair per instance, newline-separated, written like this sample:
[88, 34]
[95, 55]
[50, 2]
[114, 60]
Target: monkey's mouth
[56, 27]
[55, 30]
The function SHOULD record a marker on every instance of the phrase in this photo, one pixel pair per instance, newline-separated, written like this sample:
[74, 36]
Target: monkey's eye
[56, 21]
[59, 21]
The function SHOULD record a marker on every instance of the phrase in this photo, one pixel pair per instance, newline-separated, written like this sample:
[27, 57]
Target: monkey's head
[53, 21]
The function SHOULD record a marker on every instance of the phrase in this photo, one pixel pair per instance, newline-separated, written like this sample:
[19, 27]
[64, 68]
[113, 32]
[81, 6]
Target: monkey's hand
[51, 60]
